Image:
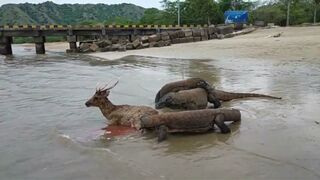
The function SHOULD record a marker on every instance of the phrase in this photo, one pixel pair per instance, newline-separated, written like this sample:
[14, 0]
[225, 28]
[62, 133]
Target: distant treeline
[211, 12]
[51, 13]
[192, 12]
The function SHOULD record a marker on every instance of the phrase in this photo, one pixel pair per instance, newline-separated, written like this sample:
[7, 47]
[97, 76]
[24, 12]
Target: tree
[89, 22]
[192, 12]
[202, 12]
[288, 12]
[301, 11]
[152, 16]
[170, 13]
[226, 5]
[316, 4]
[269, 13]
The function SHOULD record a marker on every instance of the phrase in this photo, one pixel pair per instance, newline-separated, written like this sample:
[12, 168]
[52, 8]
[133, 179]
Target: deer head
[100, 96]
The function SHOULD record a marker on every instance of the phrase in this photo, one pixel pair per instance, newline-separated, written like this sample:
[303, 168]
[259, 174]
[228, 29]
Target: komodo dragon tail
[227, 96]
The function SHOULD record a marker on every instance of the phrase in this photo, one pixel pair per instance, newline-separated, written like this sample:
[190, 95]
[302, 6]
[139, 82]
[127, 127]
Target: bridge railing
[64, 27]
[73, 32]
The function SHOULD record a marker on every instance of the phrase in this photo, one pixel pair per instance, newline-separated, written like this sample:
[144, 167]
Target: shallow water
[47, 132]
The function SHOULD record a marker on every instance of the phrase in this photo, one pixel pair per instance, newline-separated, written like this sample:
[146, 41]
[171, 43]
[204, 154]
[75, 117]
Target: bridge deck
[46, 27]
[64, 30]
[7, 32]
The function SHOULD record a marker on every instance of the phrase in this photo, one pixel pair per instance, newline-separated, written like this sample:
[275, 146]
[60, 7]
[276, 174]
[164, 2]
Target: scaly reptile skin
[190, 121]
[176, 94]
[191, 99]
[190, 83]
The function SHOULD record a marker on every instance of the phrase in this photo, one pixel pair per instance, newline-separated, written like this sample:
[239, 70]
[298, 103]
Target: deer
[118, 115]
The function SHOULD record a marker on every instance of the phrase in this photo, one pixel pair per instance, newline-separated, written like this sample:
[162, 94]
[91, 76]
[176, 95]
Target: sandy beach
[294, 43]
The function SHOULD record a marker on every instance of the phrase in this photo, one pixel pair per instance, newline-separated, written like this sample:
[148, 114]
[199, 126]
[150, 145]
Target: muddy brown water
[47, 132]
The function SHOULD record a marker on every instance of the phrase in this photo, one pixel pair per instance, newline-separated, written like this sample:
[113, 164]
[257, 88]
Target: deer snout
[88, 104]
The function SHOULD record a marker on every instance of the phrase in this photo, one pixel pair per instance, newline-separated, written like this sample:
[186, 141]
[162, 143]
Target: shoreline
[255, 45]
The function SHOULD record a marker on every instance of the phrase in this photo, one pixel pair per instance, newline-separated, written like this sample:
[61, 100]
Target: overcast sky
[143, 3]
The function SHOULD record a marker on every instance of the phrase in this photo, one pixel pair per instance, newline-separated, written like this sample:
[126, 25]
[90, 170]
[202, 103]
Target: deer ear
[107, 93]
[102, 92]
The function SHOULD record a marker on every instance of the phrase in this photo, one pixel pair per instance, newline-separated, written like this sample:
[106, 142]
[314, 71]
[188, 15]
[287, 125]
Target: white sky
[143, 3]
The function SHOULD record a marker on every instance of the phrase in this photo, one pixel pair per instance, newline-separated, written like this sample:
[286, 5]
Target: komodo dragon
[194, 98]
[191, 99]
[196, 121]
[190, 83]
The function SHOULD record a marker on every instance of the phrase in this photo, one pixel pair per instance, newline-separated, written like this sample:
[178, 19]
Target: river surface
[47, 132]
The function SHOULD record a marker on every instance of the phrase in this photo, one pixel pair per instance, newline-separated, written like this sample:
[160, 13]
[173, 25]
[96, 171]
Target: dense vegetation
[301, 11]
[211, 12]
[51, 13]
[192, 12]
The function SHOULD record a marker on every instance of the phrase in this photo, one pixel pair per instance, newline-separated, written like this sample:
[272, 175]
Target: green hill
[51, 13]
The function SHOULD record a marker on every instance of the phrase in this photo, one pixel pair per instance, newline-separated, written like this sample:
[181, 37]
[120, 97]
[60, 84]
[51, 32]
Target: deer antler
[97, 85]
[103, 88]
[112, 85]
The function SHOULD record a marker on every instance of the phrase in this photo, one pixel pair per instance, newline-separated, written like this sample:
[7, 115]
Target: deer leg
[162, 131]
[219, 121]
[215, 101]
[104, 128]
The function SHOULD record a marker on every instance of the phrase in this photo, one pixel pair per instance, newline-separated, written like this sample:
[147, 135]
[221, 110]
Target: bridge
[72, 33]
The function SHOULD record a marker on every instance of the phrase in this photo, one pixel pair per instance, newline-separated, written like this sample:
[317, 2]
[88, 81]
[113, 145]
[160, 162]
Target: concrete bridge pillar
[39, 41]
[104, 33]
[72, 39]
[5, 45]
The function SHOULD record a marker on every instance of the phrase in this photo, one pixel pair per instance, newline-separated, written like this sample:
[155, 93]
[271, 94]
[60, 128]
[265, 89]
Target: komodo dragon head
[166, 101]
[100, 96]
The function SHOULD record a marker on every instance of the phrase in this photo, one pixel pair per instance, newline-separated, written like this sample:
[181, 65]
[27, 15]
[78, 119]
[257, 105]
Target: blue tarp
[236, 17]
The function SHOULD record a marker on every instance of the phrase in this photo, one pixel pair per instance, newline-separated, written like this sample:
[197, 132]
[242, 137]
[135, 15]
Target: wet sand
[295, 43]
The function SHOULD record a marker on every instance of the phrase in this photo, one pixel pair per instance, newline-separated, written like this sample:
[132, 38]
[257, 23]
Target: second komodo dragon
[181, 95]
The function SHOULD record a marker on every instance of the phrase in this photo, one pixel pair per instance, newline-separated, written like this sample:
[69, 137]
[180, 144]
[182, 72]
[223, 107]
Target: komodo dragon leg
[219, 121]
[162, 131]
[211, 95]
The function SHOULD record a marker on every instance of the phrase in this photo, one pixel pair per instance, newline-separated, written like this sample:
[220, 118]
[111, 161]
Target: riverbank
[257, 45]
[294, 43]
